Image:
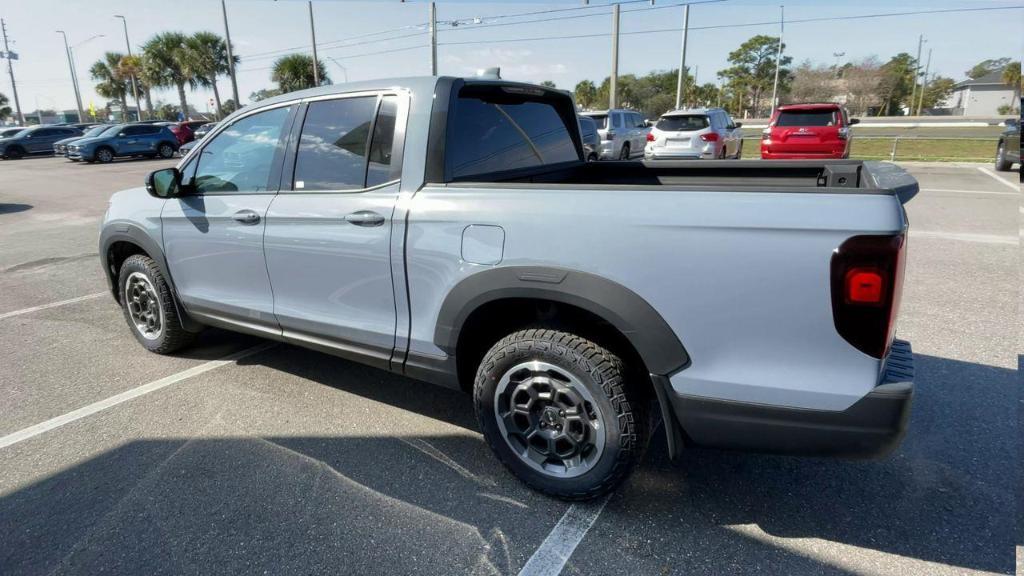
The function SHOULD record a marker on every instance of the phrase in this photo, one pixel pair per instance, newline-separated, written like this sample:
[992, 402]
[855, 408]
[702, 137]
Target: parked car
[60, 147]
[34, 140]
[591, 139]
[148, 140]
[1008, 151]
[451, 230]
[185, 131]
[807, 131]
[203, 130]
[696, 133]
[8, 132]
[623, 133]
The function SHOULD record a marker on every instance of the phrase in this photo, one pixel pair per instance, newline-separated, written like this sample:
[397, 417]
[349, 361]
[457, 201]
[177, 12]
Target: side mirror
[1012, 123]
[164, 183]
[854, 121]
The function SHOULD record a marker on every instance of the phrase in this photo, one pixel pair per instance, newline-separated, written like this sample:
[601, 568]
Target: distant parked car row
[99, 142]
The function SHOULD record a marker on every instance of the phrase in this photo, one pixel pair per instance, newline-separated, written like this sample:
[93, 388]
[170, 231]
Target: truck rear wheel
[1002, 164]
[148, 306]
[557, 411]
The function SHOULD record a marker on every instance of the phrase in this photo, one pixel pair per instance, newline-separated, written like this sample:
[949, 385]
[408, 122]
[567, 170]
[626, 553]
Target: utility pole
[312, 33]
[614, 79]
[74, 81]
[231, 57]
[680, 82]
[917, 69]
[778, 57]
[135, 88]
[433, 39]
[924, 82]
[10, 68]
[837, 56]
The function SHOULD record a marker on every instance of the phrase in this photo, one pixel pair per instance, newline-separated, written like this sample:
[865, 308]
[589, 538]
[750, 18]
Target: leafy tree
[1011, 76]
[295, 72]
[938, 90]
[228, 107]
[706, 95]
[548, 83]
[165, 61]
[205, 58]
[987, 66]
[896, 84]
[753, 70]
[586, 94]
[264, 93]
[813, 83]
[5, 110]
[110, 83]
[862, 80]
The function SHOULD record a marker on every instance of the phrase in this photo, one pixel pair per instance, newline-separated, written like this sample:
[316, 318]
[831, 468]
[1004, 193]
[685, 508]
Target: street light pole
[135, 87]
[74, 82]
[231, 56]
[614, 79]
[10, 69]
[312, 33]
[433, 39]
[338, 64]
[778, 57]
[682, 57]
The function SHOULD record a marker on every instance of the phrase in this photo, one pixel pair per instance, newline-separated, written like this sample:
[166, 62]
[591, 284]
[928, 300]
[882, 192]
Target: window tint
[638, 120]
[332, 148]
[239, 158]
[379, 169]
[135, 130]
[489, 136]
[682, 123]
[44, 132]
[600, 121]
[806, 118]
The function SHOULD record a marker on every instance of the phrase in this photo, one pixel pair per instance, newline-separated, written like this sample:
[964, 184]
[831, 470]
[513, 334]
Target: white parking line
[51, 305]
[53, 423]
[556, 549]
[992, 174]
[952, 191]
[963, 237]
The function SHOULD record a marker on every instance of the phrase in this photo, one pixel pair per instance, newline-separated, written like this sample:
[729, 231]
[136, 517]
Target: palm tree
[129, 67]
[110, 83]
[165, 63]
[5, 110]
[1011, 76]
[295, 72]
[206, 58]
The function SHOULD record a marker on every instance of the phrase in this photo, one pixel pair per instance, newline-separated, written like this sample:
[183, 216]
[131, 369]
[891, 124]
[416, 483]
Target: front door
[213, 237]
[329, 230]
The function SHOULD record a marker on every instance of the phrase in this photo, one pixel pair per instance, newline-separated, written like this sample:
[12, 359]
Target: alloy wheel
[143, 306]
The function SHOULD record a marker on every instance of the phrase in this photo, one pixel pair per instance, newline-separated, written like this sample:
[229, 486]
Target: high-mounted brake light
[867, 281]
[709, 137]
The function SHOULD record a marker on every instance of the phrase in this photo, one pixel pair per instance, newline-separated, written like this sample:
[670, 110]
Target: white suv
[623, 133]
[697, 133]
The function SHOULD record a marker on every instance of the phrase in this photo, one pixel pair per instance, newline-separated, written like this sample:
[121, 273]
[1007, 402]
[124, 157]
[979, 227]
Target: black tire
[104, 155]
[624, 152]
[172, 336]
[165, 150]
[615, 406]
[15, 153]
[592, 157]
[739, 151]
[1002, 163]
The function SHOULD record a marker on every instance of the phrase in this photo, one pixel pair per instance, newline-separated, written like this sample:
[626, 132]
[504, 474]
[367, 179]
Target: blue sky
[260, 26]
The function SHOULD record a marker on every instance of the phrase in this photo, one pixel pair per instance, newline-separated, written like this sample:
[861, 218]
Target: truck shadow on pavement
[13, 208]
[229, 500]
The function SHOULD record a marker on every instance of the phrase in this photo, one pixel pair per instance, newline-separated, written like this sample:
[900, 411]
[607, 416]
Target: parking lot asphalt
[288, 461]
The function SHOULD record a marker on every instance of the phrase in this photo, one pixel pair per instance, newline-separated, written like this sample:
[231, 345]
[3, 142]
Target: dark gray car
[35, 140]
[1008, 151]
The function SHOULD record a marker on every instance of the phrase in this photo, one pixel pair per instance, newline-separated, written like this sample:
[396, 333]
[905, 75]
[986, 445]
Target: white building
[981, 96]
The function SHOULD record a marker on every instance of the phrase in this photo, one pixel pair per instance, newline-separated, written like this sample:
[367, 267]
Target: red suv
[185, 131]
[807, 131]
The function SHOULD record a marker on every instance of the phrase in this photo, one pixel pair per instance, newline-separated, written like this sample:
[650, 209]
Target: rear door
[811, 131]
[134, 140]
[328, 232]
[681, 132]
[213, 239]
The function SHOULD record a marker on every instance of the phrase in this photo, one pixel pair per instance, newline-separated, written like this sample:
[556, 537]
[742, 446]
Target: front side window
[492, 133]
[240, 158]
[332, 147]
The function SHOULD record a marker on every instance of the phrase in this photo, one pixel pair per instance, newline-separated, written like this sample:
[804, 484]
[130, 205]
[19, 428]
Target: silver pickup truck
[450, 230]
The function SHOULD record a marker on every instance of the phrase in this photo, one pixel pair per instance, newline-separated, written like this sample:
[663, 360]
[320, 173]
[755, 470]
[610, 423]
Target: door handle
[246, 217]
[365, 218]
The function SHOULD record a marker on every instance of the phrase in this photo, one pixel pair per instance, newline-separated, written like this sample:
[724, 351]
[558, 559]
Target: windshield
[601, 121]
[111, 130]
[806, 118]
[95, 131]
[11, 132]
[682, 123]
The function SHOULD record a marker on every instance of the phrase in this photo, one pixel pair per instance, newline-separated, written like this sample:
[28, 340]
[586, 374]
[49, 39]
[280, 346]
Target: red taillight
[709, 137]
[609, 135]
[650, 137]
[867, 279]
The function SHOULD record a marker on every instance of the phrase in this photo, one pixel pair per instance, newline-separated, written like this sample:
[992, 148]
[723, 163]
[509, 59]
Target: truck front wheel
[557, 411]
[148, 305]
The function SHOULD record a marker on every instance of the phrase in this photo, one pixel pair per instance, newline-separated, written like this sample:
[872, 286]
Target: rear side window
[505, 133]
[332, 148]
[806, 118]
[682, 123]
[600, 121]
[379, 169]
